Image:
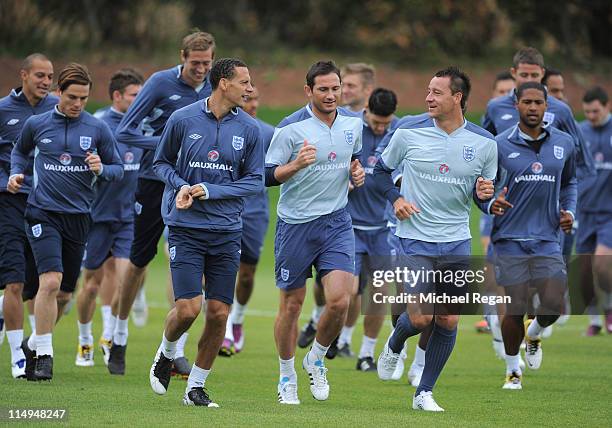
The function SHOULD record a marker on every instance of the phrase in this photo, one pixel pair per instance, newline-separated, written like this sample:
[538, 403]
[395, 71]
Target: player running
[367, 208]
[73, 150]
[537, 179]
[163, 93]
[313, 155]
[17, 265]
[594, 238]
[210, 157]
[255, 219]
[112, 230]
[445, 160]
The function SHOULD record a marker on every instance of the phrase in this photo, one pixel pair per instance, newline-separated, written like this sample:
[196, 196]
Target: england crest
[348, 137]
[37, 230]
[84, 142]
[548, 119]
[469, 154]
[558, 152]
[137, 208]
[237, 142]
[172, 251]
[285, 274]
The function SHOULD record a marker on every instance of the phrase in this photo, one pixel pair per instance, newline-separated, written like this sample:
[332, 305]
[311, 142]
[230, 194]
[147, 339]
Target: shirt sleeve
[487, 121]
[569, 185]
[281, 147]
[129, 130]
[112, 167]
[24, 145]
[164, 162]
[584, 160]
[492, 170]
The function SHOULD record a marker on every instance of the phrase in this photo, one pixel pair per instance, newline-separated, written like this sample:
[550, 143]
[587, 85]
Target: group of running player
[184, 152]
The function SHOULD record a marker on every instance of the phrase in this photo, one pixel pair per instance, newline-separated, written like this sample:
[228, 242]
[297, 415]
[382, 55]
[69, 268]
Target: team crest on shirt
[237, 142]
[469, 154]
[548, 119]
[331, 157]
[137, 208]
[444, 169]
[172, 251]
[348, 137]
[536, 168]
[558, 152]
[37, 230]
[65, 159]
[285, 274]
[84, 142]
[213, 156]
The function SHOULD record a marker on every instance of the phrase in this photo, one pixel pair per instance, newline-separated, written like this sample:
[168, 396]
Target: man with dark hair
[503, 84]
[367, 209]
[358, 80]
[594, 239]
[533, 160]
[16, 261]
[112, 230]
[73, 151]
[553, 80]
[445, 160]
[313, 154]
[163, 93]
[211, 157]
[255, 218]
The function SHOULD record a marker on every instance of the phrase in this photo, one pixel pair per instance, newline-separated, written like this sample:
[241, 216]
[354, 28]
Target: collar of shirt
[206, 109]
[456, 131]
[114, 110]
[310, 112]
[179, 76]
[528, 138]
[57, 112]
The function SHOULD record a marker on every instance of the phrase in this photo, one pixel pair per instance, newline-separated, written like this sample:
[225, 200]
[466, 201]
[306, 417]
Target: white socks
[513, 364]
[168, 348]
[419, 357]
[44, 344]
[120, 335]
[180, 345]
[32, 342]
[85, 336]
[15, 337]
[287, 369]
[316, 313]
[534, 330]
[346, 336]
[237, 315]
[367, 347]
[229, 331]
[316, 353]
[109, 327]
[197, 378]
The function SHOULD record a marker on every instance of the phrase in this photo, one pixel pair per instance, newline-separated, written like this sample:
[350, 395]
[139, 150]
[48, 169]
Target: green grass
[571, 388]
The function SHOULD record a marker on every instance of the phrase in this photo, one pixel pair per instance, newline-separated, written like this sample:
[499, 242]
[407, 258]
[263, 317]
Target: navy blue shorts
[326, 243]
[108, 239]
[520, 262]
[148, 223]
[372, 252]
[195, 253]
[58, 242]
[17, 265]
[253, 234]
[595, 229]
[438, 267]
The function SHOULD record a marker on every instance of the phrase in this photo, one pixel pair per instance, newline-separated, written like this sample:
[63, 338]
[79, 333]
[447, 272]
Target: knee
[91, 288]
[601, 266]
[187, 311]
[420, 321]
[448, 322]
[14, 290]
[217, 313]
[339, 305]
[292, 307]
[246, 279]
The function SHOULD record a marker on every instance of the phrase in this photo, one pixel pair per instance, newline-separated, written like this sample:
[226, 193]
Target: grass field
[572, 388]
